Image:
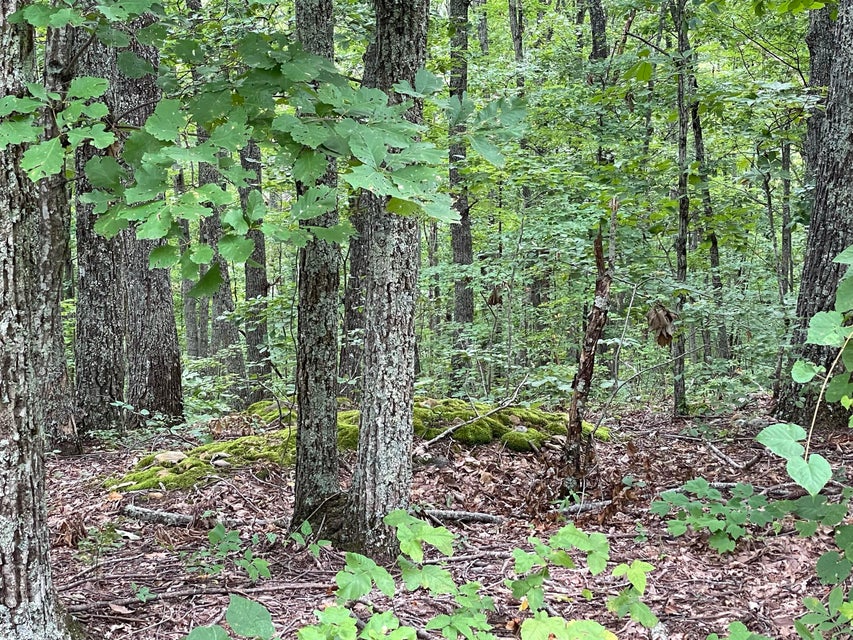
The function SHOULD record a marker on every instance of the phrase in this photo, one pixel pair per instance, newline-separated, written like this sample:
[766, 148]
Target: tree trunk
[30, 234]
[460, 234]
[821, 42]
[151, 341]
[317, 339]
[99, 339]
[383, 472]
[257, 288]
[679, 17]
[189, 303]
[830, 229]
[352, 333]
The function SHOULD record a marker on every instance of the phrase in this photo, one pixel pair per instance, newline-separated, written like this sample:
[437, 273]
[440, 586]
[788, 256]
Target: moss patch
[522, 429]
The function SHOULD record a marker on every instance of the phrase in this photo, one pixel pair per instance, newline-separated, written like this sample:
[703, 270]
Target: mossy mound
[206, 461]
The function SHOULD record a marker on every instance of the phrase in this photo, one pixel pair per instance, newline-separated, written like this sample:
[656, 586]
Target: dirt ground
[103, 559]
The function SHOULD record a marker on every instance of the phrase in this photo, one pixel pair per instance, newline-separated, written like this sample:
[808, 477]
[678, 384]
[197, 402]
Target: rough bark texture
[821, 42]
[257, 287]
[352, 332]
[151, 339]
[460, 234]
[99, 338]
[29, 308]
[830, 229]
[382, 476]
[317, 338]
[55, 198]
[679, 394]
[598, 27]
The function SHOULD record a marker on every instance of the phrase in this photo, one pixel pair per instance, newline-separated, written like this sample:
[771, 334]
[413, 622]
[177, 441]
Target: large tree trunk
[99, 339]
[153, 354]
[830, 229]
[382, 477]
[257, 288]
[29, 309]
[821, 42]
[317, 340]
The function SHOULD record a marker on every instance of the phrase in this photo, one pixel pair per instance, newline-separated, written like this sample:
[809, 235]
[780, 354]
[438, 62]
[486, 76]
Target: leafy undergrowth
[125, 578]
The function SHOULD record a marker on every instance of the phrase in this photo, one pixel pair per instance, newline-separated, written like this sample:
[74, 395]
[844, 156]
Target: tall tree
[29, 308]
[317, 339]
[383, 472]
[830, 227]
[461, 241]
[257, 286]
[151, 337]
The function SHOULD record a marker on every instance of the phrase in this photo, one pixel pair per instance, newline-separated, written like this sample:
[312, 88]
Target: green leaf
[19, 130]
[839, 387]
[234, 219]
[167, 121]
[110, 223]
[803, 371]
[231, 135]
[105, 172]
[87, 87]
[356, 580]
[14, 104]
[369, 149]
[164, 257]
[812, 475]
[156, 226]
[427, 83]
[208, 283]
[249, 618]
[826, 328]
[236, 248]
[488, 150]
[310, 166]
[133, 66]
[832, 568]
[783, 439]
[43, 159]
[214, 632]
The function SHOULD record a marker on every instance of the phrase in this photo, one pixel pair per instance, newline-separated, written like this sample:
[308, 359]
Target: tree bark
[821, 42]
[383, 472]
[830, 229]
[317, 321]
[257, 288]
[30, 285]
[151, 342]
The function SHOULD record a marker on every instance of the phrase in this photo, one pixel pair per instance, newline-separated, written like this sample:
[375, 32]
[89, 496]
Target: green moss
[347, 436]
[527, 440]
[476, 433]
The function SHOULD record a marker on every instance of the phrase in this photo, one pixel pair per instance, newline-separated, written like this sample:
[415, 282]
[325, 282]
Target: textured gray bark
[830, 228]
[29, 308]
[821, 42]
[383, 472]
[99, 338]
[257, 287]
[317, 321]
[151, 339]
[460, 234]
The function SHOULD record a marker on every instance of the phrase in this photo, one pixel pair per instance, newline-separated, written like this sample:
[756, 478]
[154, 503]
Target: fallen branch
[583, 507]
[462, 516]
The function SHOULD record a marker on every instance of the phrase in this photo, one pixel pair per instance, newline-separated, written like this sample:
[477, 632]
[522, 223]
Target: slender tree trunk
[190, 306]
[680, 19]
[352, 333]
[383, 472]
[30, 285]
[460, 234]
[830, 229]
[317, 339]
[821, 42]
[257, 288]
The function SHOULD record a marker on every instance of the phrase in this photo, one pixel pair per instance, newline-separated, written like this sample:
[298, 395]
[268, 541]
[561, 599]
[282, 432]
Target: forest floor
[99, 553]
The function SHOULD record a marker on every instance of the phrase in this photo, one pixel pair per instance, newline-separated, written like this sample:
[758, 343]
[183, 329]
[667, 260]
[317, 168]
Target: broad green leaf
[427, 83]
[236, 248]
[363, 177]
[256, 208]
[43, 159]
[487, 150]
[845, 257]
[87, 87]
[356, 580]
[310, 166]
[248, 618]
[839, 387]
[36, 14]
[832, 568]
[844, 295]
[234, 218]
[826, 328]
[783, 439]
[133, 66]
[214, 632]
[112, 37]
[544, 627]
[208, 283]
[214, 194]
[18, 131]
[812, 475]
[156, 226]
[164, 257]
[105, 172]
[368, 149]
[201, 254]
[14, 104]
[167, 121]
[231, 135]
[803, 371]
[110, 223]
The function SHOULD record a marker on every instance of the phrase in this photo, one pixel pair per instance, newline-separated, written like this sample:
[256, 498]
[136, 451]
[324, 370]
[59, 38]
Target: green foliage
[811, 473]
[304, 538]
[225, 546]
[725, 520]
